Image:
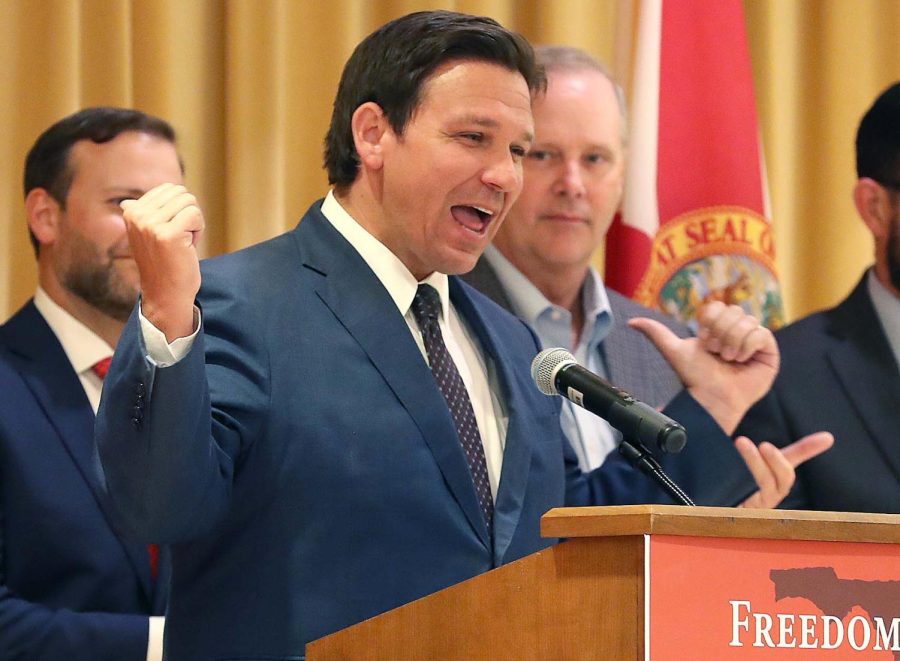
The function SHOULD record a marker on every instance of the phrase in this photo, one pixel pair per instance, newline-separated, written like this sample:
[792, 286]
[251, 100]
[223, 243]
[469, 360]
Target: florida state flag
[695, 224]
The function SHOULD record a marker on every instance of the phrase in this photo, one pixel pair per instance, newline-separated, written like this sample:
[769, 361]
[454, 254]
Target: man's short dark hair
[47, 164]
[878, 140]
[390, 66]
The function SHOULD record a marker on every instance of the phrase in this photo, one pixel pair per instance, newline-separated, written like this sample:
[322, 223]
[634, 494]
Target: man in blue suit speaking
[337, 427]
[71, 588]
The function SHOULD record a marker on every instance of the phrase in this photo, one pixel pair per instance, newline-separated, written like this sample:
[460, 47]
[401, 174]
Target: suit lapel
[632, 361]
[625, 369]
[614, 349]
[362, 305]
[862, 359]
[48, 374]
[517, 451]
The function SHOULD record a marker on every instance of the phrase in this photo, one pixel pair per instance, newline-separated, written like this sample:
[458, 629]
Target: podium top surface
[624, 520]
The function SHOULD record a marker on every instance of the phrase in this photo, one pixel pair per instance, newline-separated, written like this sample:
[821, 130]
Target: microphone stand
[641, 458]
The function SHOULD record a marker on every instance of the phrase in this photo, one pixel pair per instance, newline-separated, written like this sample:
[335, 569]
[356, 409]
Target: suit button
[141, 391]
[136, 423]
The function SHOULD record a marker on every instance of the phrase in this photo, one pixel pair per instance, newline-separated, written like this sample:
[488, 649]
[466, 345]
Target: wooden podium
[661, 582]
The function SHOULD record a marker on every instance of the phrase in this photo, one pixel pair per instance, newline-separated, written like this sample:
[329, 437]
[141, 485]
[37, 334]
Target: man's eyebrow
[488, 122]
[479, 120]
[123, 191]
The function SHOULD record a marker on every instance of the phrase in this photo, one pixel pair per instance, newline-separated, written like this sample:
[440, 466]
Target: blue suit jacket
[838, 373]
[303, 461]
[70, 588]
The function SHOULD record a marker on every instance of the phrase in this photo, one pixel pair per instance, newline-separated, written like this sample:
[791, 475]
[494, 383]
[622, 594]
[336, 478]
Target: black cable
[640, 457]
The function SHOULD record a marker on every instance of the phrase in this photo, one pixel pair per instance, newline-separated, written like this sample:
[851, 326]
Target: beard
[95, 278]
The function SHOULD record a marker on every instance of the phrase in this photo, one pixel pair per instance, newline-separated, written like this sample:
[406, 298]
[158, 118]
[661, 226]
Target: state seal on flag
[721, 253]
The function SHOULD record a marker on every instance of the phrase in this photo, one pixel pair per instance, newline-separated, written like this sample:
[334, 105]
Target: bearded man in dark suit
[71, 587]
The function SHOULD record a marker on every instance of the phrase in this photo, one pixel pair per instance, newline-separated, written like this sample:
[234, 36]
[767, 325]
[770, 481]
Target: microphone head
[545, 367]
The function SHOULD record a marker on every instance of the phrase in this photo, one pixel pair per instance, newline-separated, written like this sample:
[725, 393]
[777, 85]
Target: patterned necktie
[100, 368]
[426, 308]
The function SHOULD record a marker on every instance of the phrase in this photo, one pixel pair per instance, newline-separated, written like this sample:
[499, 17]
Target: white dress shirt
[83, 347]
[887, 307]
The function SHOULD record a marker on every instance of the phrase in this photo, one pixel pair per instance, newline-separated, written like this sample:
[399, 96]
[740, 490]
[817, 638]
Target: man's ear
[370, 128]
[873, 205]
[42, 212]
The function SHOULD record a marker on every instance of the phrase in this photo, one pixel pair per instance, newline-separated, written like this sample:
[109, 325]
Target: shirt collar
[887, 307]
[596, 306]
[400, 284]
[83, 347]
[531, 305]
[527, 300]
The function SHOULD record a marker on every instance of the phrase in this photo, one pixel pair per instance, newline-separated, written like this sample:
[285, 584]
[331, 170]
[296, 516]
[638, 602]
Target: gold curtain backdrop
[248, 85]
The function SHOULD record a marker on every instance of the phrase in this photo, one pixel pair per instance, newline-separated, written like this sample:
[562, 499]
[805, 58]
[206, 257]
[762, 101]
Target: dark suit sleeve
[709, 469]
[32, 631]
[765, 421]
[29, 631]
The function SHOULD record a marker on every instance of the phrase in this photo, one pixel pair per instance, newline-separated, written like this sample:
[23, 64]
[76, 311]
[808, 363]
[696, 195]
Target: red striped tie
[100, 368]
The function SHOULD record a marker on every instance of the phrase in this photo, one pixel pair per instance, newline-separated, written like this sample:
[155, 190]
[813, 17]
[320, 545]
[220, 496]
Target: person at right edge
[839, 367]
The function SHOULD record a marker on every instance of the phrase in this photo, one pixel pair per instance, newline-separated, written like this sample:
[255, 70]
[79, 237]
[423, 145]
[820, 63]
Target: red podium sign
[730, 598]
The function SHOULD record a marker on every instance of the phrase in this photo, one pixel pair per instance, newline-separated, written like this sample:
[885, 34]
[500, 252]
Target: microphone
[555, 372]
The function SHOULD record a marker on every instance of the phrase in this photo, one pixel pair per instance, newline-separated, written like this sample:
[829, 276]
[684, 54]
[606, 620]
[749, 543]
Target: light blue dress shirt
[591, 437]
[887, 307]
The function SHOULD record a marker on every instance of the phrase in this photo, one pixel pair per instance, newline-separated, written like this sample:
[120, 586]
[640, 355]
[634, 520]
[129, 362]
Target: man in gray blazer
[539, 266]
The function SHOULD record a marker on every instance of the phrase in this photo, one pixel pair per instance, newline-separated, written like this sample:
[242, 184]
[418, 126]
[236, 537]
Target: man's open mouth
[472, 217]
